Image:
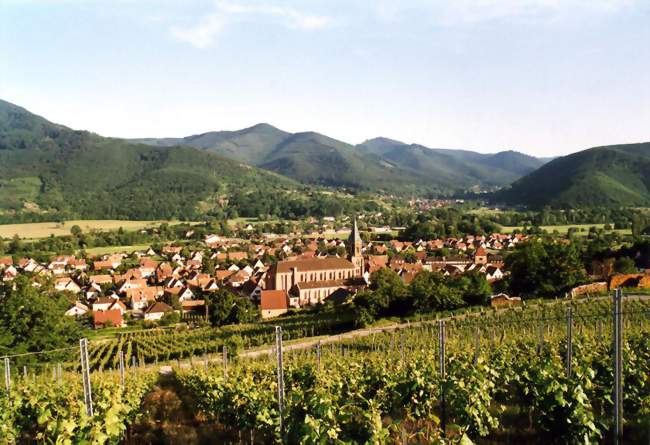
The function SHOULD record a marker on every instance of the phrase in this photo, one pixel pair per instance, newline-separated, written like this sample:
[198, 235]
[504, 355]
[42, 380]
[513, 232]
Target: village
[276, 272]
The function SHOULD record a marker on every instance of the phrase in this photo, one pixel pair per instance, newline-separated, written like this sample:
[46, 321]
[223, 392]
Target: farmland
[582, 229]
[46, 229]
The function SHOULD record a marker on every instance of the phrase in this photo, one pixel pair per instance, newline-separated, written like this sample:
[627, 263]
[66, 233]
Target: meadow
[583, 229]
[46, 229]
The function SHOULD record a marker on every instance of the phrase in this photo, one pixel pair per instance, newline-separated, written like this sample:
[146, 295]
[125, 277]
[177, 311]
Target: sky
[544, 77]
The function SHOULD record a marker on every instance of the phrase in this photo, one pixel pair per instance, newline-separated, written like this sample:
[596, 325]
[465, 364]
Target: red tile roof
[274, 299]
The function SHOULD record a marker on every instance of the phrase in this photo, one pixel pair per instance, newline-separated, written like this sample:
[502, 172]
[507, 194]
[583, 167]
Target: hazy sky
[545, 77]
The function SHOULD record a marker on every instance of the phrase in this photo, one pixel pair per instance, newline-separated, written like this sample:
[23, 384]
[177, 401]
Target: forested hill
[614, 175]
[47, 168]
[378, 164]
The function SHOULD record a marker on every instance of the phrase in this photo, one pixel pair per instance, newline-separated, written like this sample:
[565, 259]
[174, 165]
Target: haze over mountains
[48, 167]
[378, 163]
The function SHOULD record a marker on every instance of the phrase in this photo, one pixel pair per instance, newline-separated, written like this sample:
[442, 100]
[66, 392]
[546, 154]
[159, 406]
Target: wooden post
[88, 400]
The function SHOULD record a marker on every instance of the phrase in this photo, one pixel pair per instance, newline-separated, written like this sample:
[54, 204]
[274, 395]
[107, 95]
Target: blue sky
[545, 77]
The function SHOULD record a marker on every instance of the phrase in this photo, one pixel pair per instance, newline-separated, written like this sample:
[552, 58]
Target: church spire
[354, 248]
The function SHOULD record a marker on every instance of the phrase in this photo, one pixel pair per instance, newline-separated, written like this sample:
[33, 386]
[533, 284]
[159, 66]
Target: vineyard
[535, 374]
[42, 410]
[508, 378]
[161, 345]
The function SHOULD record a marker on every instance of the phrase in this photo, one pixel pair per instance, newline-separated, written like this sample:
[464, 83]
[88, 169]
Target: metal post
[618, 366]
[318, 352]
[569, 340]
[121, 357]
[280, 374]
[441, 351]
[7, 375]
[25, 372]
[88, 400]
[224, 354]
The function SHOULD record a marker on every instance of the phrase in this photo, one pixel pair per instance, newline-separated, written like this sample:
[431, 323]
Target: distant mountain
[460, 168]
[45, 167]
[251, 145]
[377, 164]
[614, 175]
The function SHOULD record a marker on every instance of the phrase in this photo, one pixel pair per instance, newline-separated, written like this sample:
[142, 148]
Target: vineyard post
[441, 350]
[618, 366]
[318, 352]
[88, 400]
[7, 375]
[225, 361]
[280, 373]
[59, 372]
[25, 372]
[569, 340]
[477, 344]
[121, 358]
[133, 365]
[540, 345]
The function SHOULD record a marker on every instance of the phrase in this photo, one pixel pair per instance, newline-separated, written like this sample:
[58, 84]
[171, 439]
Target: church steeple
[354, 248]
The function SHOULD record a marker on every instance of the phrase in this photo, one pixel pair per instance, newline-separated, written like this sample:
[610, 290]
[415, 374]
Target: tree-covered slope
[616, 175]
[377, 164]
[251, 145]
[459, 168]
[48, 168]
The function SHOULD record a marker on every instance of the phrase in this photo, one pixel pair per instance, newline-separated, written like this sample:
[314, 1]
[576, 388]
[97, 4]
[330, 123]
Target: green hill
[377, 164]
[615, 175]
[461, 169]
[47, 168]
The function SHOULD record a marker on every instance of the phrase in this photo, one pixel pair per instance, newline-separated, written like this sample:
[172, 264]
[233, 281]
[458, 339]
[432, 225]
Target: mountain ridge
[375, 164]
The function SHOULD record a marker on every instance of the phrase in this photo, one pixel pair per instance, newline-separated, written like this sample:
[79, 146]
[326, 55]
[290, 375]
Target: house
[132, 284]
[6, 261]
[499, 300]
[140, 298]
[493, 273]
[67, 284]
[273, 303]
[77, 310]
[104, 319]
[107, 304]
[157, 311]
[480, 256]
[100, 279]
[9, 273]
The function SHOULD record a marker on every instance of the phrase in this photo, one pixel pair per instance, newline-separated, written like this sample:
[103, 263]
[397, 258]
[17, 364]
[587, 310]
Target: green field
[45, 229]
[116, 249]
[583, 229]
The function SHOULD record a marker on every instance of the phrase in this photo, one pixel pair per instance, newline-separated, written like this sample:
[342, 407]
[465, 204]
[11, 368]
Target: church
[311, 281]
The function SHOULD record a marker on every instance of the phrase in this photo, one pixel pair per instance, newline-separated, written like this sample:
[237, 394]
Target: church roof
[312, 264]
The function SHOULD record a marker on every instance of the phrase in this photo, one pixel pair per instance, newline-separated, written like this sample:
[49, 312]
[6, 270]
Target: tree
[224, 307]
[430, 292]
[32, 319]
[75, 230]
[544, 268]
[474, 287]
[625, 264]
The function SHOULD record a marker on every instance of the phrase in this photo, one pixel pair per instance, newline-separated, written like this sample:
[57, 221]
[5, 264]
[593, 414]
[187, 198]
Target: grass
[583, 229]
[116, 249]
[45, 229]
